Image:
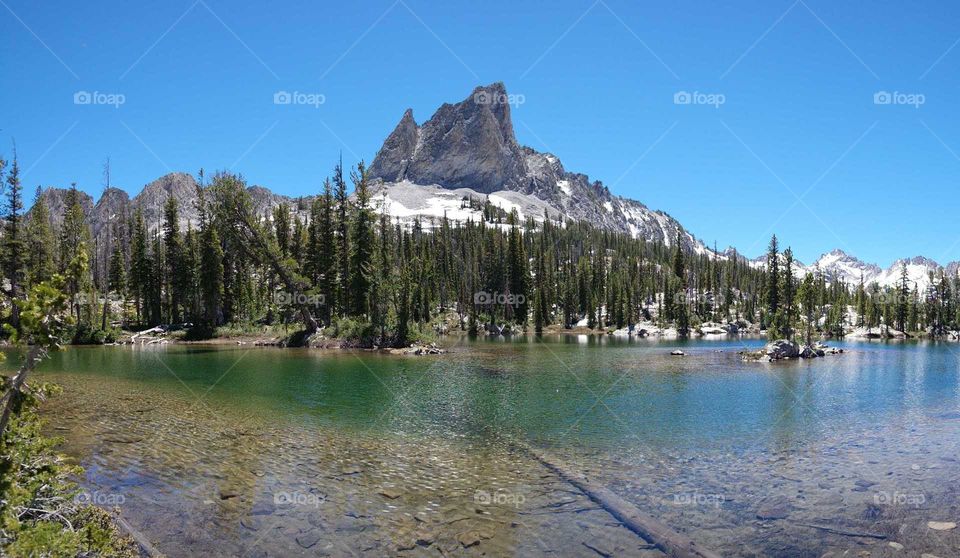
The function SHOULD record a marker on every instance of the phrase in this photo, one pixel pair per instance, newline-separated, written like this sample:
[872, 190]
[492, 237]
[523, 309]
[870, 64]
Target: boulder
[712, 330]
[781, 349]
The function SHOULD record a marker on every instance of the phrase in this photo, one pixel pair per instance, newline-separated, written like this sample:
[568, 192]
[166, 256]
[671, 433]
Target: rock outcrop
[781, 349]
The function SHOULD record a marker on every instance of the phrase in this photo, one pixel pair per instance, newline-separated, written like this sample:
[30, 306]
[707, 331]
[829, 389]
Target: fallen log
[844, 532]
[139, 538]
[660, 535]
[133, 338]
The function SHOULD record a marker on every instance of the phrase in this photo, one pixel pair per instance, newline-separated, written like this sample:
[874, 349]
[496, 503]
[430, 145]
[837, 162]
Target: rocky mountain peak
[921, 261]
[56, 201]
[391, 162]
[470, 144]
[112, 207]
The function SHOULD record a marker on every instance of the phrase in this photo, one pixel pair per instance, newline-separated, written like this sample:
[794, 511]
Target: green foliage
[317, 262]
[362, 244]
[88, 334]
[43, 315]
[39, 515]
[41, 242]
[352, 330]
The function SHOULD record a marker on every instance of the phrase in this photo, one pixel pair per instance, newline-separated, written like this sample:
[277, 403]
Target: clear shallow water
[255, 451]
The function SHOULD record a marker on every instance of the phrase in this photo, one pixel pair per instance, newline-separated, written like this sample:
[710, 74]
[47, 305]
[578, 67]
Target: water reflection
[358, 444]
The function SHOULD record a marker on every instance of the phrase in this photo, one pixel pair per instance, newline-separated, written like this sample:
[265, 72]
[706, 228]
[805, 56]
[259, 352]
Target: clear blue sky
[597, 80]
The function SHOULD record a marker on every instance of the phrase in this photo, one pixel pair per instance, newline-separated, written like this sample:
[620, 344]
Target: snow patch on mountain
[407, 201]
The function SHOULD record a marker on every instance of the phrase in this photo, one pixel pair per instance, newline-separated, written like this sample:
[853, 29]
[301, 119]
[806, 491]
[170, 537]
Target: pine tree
[681, 308]
[773, 286]
[211, 276]
[281, 225]
[788, 294]
[326, 252]
[903, 294]
[14, 250]
[176, 278]
[74, 252]
[342, 238]
[518, 270]
[117, 278]
[807, 295]
[401, 302]
[361, 242]
[140, 266]
[41, 243]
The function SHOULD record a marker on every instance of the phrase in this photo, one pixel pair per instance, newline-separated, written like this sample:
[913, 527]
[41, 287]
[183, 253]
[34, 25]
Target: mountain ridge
[468, 150]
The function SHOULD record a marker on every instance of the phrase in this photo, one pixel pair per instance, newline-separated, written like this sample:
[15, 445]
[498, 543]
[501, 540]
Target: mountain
[469, 150]
[462, 157]
[837, 265]
[116, 206]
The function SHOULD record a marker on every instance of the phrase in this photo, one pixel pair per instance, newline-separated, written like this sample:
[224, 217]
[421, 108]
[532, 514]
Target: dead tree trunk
[34, 356]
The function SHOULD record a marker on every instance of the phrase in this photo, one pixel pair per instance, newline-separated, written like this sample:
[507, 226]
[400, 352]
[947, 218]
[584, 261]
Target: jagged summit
[471, 145]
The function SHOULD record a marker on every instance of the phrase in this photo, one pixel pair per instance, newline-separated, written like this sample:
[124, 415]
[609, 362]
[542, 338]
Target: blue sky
[798, 147]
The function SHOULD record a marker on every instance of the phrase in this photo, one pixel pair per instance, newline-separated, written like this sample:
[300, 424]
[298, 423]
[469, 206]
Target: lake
[237, 450]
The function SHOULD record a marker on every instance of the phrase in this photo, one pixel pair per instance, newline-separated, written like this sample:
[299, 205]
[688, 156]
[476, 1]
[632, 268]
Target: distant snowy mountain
[799, 270]
[838, 266]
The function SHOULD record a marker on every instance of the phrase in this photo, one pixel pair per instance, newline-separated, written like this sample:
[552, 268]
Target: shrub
[39, 515]
[86, 334]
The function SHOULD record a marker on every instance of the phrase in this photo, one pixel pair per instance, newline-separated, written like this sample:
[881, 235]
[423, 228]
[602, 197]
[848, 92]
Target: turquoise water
[702, 441]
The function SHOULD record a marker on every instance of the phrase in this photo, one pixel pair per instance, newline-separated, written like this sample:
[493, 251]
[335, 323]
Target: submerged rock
[390, 493]
[774, 508]
[430, 349]
[468, 538]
